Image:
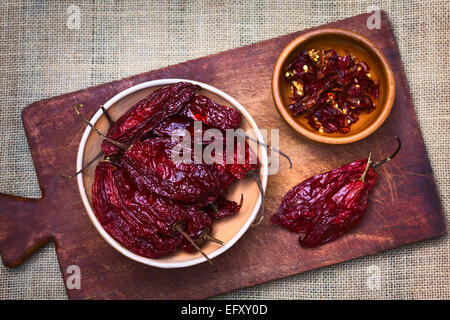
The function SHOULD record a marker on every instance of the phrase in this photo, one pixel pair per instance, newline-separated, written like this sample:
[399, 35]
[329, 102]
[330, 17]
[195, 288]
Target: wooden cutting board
[404, 206]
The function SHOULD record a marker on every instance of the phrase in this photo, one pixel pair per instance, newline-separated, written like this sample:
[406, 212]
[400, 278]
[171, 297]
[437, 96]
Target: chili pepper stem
[98, 156]
[118, 144]
[255, 177]
[270, 148]
[399, 145]
[108, 117]
[178, 228]
[205, 235]
[214, 207]
[211, 238]
[363, 176]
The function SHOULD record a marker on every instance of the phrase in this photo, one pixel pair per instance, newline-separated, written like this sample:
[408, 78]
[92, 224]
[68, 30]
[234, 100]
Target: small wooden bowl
[340, 40]
[229, 229]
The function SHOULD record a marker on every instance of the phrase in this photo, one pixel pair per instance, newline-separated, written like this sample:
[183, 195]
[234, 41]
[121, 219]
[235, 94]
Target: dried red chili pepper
[162, 213]
[135, 207]
[168, 126]
[228, 172]
[148, 208]
[201, 108]
[324, 207]
[198, 225]
[330, 90]
[120, 221]
[145, 223]
[147, 113]
[149, 164]
[242, 162]
[177, 126]
[151, 167]
[222, 208]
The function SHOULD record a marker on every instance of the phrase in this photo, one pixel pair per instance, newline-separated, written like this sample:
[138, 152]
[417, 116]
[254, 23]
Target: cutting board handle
[24, 228]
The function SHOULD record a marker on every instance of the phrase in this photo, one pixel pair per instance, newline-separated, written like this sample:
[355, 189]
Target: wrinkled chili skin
[222, 208]
[120, 222]
[182, 127]
[140, 194]
[324, 207]
[330, 90]
[168, 126]
[150, 166]
[147, 113]
[149, 208]
[239, 167]
[201, 108]
[197, 224]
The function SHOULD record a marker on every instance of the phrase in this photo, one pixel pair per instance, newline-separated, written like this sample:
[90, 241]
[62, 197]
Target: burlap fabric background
[41, 57]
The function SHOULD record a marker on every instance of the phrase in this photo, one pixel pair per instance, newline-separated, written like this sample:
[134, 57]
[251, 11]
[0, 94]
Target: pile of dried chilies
[324, 207]
[330, 90]
[149, 203]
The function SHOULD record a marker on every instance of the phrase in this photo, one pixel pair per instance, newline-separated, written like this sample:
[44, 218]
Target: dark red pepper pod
[201, 108]
[170, 125]
[150, 166]
[148, 202]
[143, 223]
[244, 160]
[324, 207]
[197, 226]
[148, 208]
[222, 208]
[147, 113]
[120, 221]
[330, 90]
[180, 127]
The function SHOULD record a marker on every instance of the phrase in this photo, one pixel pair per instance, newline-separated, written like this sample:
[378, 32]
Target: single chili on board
[324, 207]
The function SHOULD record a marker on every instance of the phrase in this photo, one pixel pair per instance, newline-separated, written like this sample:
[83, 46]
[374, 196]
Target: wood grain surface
[404, 206]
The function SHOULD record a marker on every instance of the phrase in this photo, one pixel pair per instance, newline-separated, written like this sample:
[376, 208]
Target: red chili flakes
[330, 90]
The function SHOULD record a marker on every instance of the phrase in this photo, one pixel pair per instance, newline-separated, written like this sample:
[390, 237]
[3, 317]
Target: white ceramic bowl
[228, 229]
